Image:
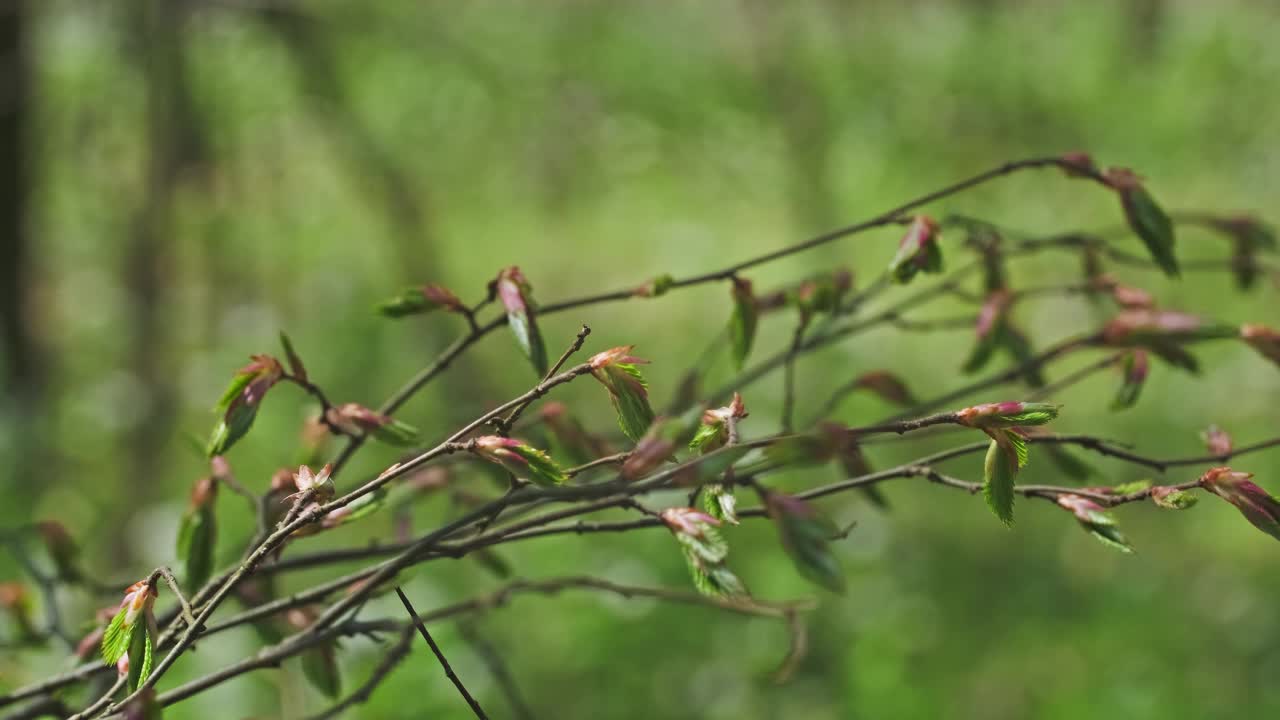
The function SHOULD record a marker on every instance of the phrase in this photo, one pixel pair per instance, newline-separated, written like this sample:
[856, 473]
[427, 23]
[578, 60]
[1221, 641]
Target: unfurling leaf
[419, 300]
[128, 640]
[1263, 339]
[513, 290]
[656, 287]
[519, 459]
[616, 370]
[743, 320]
[990, 329]
[198, 533]
[713, 431]
[1096, 521]
[355, 419]
[720, 503]
[704, 550]
[1135, 376]
[918, 251]
[1007, 414]
[295, 363]
[998, 473]
[888, 386]
[1145, 217]
[1258, 506]
[806, 536]
[239, 402]
[1172, 498]
[320, 482]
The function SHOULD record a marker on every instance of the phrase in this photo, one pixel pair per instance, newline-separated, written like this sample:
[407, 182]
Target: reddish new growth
[687, 521]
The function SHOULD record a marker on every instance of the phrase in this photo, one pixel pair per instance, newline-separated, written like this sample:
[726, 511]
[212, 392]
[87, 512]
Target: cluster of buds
[1258, 506]
[918, 250]
[424, 299]
[355, 419]
[616, 370]
[519, 458]
[512, 289]
[239, 403]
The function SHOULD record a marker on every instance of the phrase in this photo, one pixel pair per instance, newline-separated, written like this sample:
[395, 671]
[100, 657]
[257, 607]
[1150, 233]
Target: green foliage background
[597, 145]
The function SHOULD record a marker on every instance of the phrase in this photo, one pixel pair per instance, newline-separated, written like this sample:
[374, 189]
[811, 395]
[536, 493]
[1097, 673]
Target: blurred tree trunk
[23, 382]
[800, 110]
[172, 142]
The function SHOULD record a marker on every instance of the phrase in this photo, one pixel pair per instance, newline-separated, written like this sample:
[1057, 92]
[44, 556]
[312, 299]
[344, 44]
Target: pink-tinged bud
[687, 521]
[1263, 339]
[16, 603]
[204, 492]
[993, 310]
[512, 289]
[1259, 507]
[1171, 498]
[354, 417]
[1140, 324]
[918, 251]
[1125, 296]
[1096, 521]
[519, 458]
[304, 480]
[656, 287]
[443, 297]
[265, 371]
[1007, 414]
[614, 356]
[138, 599]
[1217, 441]
[1120, 178]
[219, 466]
[122, 665]
[1078, 164]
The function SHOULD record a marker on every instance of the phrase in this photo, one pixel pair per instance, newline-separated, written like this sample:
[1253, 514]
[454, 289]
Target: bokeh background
[181, 180]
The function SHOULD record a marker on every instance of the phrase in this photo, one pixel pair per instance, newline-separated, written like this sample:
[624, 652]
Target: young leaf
[806, 536]
[418, 300]
[999, 471]
[320, 666]
[514, 291]
[918, 251]
[743, 320]
[720, 503]
[1007, 414]
[520, 459]
[1135, 376]
[990, 330]
[1172, 498]
[140, 655]
[616, 370]
[239, 402]
[1096, 521]
[295, 363]
[1145, 217]
[197, 535]
[853, 463]
[1263, 339]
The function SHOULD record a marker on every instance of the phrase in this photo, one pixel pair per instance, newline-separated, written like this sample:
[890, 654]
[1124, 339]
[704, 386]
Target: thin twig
[493, 660]
[448, 669]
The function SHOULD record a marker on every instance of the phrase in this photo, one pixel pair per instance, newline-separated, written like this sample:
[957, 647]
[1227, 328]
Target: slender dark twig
[448, 669]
